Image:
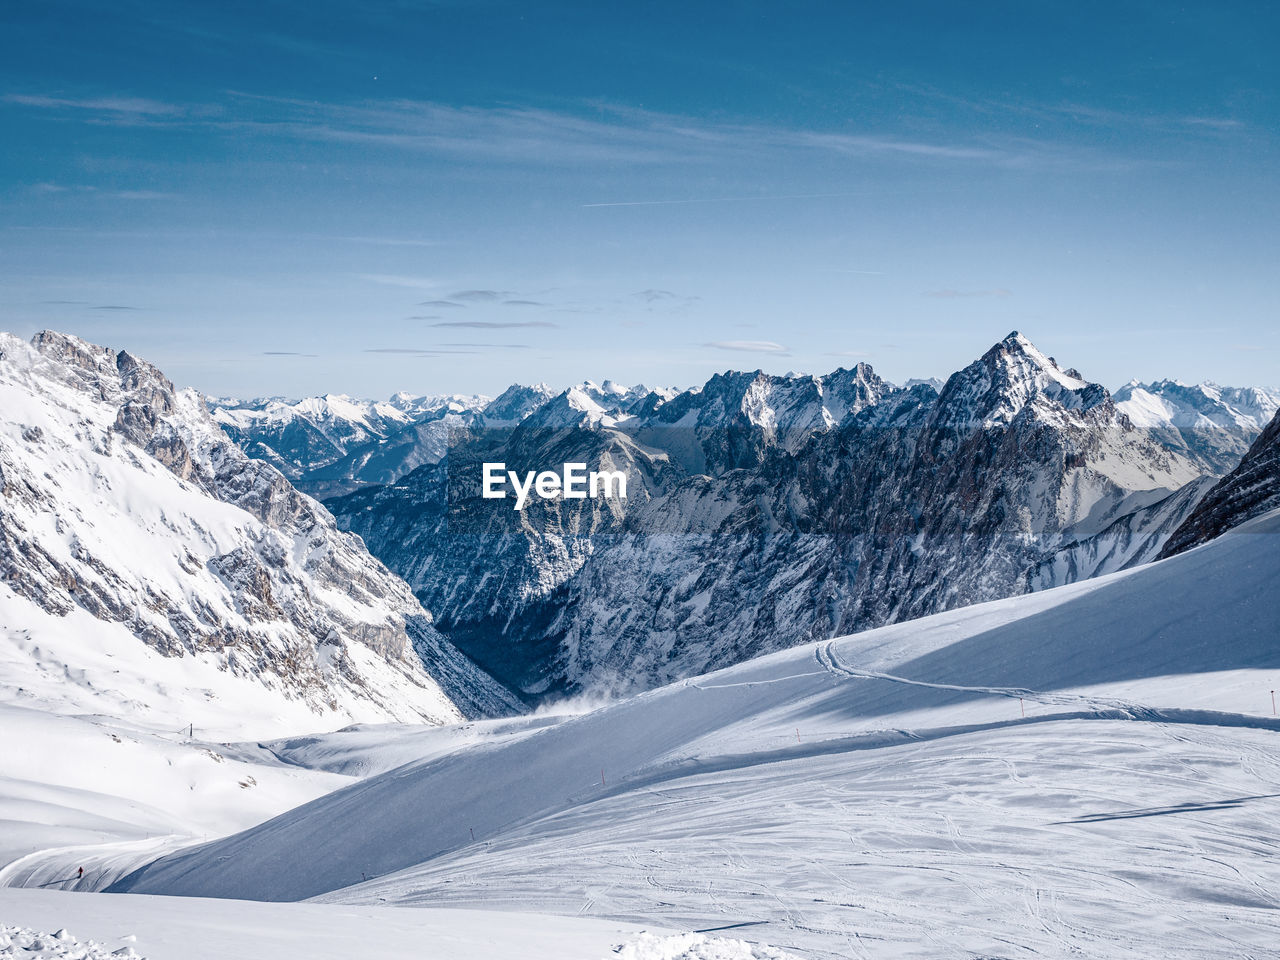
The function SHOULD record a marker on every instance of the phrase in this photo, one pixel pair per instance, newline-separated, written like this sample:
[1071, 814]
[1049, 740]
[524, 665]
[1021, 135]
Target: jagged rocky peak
[1010, 376]
[614, 397]
[777, 404]
[575, 407]
[517, 402]
[849, 392]
[121, 498]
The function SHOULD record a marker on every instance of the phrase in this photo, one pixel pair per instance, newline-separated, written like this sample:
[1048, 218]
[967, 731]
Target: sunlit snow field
[1086, 771]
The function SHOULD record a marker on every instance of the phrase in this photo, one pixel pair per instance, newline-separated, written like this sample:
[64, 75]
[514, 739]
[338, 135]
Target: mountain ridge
[123, 498]
[770, 511]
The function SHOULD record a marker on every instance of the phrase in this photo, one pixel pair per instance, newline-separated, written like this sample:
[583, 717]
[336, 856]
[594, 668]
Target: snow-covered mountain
[332, 445]
[916, 504]
[765, 511]
[1210, 423]
[517, 402]
[301, 436]
[148, 562]
[1248, 491]
[387, 459]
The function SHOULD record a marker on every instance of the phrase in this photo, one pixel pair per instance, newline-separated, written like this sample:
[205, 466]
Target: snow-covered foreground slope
[1092, 769]
[164, 929]
[105, 794]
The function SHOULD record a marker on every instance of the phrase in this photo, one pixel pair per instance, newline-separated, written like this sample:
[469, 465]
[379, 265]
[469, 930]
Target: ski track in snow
[877, 796]
[962, 842]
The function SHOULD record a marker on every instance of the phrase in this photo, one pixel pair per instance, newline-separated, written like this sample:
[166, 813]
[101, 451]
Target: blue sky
[286, 197]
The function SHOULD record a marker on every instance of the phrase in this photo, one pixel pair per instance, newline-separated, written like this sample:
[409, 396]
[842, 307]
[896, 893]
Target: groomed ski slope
[38, 924]
[877, 795]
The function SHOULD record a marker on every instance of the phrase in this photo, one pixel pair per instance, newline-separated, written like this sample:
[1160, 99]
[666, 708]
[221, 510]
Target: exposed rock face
[765, 511]
[1248, 491]
[120, 495]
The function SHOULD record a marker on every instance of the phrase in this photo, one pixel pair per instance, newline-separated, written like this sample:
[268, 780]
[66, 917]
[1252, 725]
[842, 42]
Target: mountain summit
[765, 511]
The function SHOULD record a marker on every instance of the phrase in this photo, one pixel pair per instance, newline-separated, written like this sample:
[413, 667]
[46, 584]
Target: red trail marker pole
[1273, 703]
[1022, 706]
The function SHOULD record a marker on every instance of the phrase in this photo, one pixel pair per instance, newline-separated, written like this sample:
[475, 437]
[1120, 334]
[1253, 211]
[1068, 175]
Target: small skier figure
[80, 875]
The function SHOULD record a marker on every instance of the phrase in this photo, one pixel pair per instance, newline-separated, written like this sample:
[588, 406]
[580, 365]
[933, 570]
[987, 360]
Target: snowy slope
[104, 793]
[878, 795]
[139, 543]
[164, 929]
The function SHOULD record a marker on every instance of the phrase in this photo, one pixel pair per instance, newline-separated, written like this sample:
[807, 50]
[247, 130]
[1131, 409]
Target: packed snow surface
[157, 928]
[1088, 770]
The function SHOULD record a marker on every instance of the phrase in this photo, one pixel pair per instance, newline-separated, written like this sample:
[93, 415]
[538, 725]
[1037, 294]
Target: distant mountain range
[762, 511]
[1213, 425]
[765, 510]
[335, 444]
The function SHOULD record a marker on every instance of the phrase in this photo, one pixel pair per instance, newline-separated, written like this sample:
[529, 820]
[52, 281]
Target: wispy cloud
[417, 351]
[663, 299]
[139, 195]
[963, 294]
[1129, 118]
[592, 133]
[115, 104]
[1075, 111]
[394, 241]
[480, 296]
[748, 346]
[399, 280]
[114, 306]
[664, 203]
[496, 346]
[595, 133]
[442, 303]
[494, 325]
[88, 190]
[286, 353]
[523, 303]
[652, 296]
